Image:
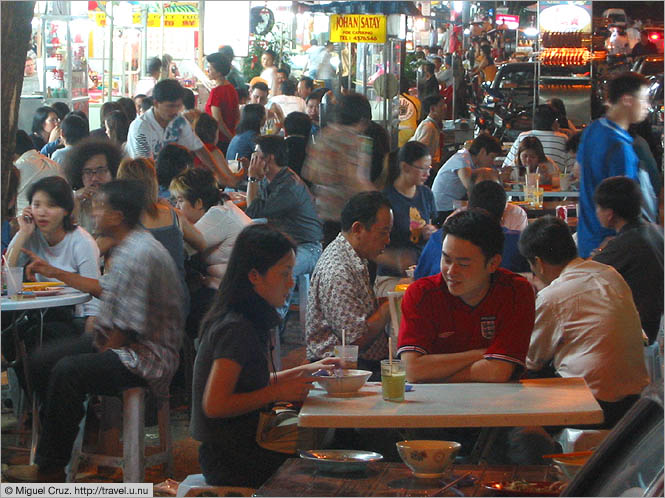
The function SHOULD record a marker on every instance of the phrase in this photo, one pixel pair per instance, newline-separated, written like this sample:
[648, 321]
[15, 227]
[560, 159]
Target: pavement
[15, 444]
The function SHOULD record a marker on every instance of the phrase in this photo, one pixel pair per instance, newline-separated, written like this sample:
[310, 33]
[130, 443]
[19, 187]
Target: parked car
[655, 35]
[648, 65]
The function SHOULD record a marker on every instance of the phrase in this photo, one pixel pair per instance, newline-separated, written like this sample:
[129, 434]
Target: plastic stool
[195, 485]
[133, 460]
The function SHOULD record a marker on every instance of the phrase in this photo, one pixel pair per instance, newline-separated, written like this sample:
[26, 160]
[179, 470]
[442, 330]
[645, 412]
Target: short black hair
[60, 108]
[128, 107]
[285, 70]
[205, 126]
[429, 102]
[167, 91]
[627, 83]
[188, 99]
[620, 194]
[118, 126]
[544, 117]
[429, 67]
[60, 191]
[126, 196]
[352, 108]
[363, 207]
[74, 128]
[154, 64]
[478, 227]
[549, 239]
[260, 85]
[484, 141]
[227, 51]
[573, 143]
[288, 87]
[242, 92]
[275, 145]
[309, 82]
[220, 63]
[314, 96]
[172, 160]
[297, 123]
[271, 53]
[490, 196]
[23, 143]
[106, 109]
[146, 103]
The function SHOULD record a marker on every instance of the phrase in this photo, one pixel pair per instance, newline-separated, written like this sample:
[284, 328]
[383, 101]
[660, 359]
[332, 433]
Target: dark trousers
[63, 372]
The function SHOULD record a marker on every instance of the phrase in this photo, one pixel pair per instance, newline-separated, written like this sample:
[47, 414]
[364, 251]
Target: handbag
[278, 430]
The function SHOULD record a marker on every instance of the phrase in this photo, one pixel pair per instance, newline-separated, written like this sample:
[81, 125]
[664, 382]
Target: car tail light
[655, 36]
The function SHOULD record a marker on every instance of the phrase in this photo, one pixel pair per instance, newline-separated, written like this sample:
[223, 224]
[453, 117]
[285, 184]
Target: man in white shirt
[586, 321]
[288, 101]
[545, 128]
[162, 124]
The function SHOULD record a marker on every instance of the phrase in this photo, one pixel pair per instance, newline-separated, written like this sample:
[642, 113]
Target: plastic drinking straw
[343, 337]
[390, 353]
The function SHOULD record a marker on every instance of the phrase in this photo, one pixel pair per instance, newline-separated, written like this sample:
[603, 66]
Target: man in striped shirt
[554, 142]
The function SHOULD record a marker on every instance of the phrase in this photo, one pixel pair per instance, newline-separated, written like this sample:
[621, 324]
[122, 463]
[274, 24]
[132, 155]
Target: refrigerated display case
[63, 64]
[378, 68]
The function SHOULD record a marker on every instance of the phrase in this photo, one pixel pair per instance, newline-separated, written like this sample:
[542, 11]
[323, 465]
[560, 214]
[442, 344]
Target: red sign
[512, 22]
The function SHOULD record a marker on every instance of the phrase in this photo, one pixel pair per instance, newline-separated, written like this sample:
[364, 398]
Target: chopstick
[573, 454]
[450, 484]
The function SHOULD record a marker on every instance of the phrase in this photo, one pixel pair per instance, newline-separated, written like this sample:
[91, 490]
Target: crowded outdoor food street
[332, 248]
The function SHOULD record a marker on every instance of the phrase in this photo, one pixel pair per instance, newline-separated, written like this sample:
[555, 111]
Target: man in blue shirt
[606, 149]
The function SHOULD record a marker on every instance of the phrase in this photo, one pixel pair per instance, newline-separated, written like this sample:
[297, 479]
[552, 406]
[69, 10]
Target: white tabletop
[547, 193]
[68, 297]
[529, 402]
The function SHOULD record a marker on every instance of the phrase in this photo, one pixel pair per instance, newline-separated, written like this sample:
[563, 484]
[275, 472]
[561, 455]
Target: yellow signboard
[170, 20]
[357, 28]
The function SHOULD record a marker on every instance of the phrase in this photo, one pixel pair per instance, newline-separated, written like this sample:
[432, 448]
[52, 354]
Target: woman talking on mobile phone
[46, 229]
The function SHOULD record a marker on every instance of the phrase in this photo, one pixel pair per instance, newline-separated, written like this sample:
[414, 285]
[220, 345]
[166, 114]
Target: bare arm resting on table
[84, 284]
[220, 400]
[439, 367]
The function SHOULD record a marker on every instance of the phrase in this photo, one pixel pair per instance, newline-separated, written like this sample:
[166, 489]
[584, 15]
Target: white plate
[341, 460]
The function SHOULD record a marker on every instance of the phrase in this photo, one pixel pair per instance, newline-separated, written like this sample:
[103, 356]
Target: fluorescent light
[530, 31]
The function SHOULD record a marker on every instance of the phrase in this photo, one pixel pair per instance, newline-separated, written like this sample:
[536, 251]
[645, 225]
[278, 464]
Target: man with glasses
[341, 298]
[163, 124]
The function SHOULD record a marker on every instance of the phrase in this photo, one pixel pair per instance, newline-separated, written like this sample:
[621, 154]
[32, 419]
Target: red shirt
[226, 98]
[434, 321]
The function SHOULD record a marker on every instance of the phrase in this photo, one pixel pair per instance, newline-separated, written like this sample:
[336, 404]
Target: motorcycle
[510, 120]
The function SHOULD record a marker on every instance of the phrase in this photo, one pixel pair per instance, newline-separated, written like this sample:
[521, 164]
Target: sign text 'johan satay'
[358, 29]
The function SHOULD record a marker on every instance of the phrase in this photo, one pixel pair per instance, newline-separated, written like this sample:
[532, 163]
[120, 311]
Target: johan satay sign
[357, 29]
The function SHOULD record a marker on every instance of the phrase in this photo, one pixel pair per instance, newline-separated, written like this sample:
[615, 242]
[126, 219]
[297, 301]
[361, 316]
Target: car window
[517, 79]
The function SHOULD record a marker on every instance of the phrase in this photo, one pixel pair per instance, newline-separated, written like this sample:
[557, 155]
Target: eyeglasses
[95, 172]
[420, 168]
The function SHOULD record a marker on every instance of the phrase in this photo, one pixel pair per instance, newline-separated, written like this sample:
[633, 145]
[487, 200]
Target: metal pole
[110, 17]
[202, 11]
[168, 72]
[385, 85]
[144, 40]
[350, 66]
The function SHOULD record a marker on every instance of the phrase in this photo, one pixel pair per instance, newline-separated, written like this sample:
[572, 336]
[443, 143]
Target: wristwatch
[253, 179]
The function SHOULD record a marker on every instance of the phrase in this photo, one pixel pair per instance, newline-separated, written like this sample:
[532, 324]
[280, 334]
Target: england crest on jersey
[487, 327]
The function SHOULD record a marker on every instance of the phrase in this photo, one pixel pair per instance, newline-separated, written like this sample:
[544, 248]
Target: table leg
[483, 444]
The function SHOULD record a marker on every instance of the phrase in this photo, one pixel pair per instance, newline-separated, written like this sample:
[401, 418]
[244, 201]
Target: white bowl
[428, 458]
[350, 381]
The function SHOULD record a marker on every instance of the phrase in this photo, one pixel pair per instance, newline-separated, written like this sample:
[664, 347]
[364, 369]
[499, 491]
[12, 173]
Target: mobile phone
[27, 219]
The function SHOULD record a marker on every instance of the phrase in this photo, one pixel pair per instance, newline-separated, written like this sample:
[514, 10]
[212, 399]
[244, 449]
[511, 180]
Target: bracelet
[253, 179]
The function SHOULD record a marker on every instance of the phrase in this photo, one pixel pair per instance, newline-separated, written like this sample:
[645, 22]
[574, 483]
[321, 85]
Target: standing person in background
[428, 84]
[45, 126]
[338, 164]
[223, 100]
[154, 70]
[606, 149]
[326, 70]
[429, 129]
[314, 54]
[163, 124]
[234, 76]
[269, 73]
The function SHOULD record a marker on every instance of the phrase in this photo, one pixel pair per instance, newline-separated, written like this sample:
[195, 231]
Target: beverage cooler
[377, 77]
[63, 62]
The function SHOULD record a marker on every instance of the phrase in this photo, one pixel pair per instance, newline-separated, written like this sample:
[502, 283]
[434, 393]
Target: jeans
[307, 255]
[63, 373]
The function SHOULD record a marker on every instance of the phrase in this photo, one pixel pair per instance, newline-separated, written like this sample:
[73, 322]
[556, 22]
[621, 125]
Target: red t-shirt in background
[226, 98]
[434, 321]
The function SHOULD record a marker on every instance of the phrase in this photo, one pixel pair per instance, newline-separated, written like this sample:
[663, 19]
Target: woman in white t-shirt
[46, 228]
[219, 220]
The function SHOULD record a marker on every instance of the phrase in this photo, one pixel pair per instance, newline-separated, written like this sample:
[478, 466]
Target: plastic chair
[134, 459]
[195, 485]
